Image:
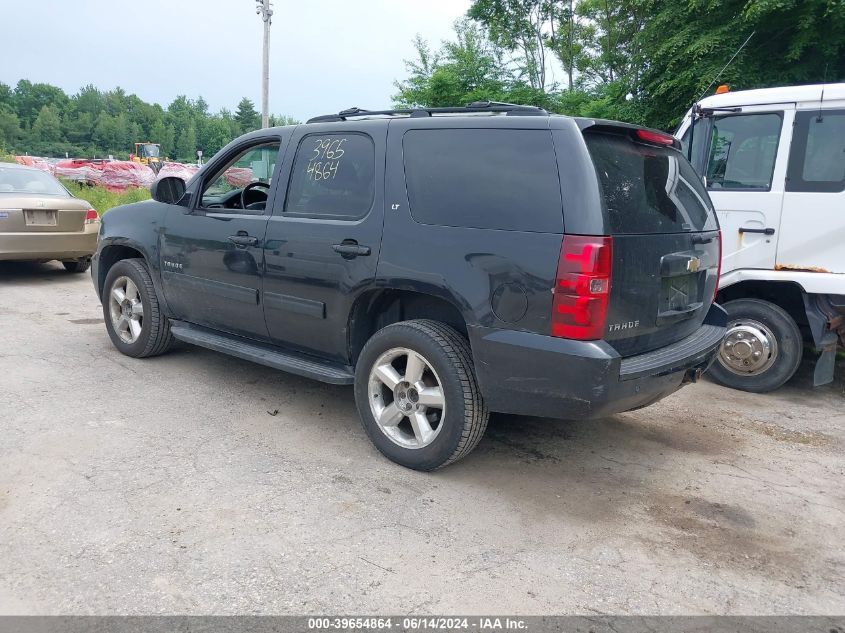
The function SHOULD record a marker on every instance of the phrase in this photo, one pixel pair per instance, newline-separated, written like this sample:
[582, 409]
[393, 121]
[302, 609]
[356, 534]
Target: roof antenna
[719, 74]
[696, 110]
[821, 101]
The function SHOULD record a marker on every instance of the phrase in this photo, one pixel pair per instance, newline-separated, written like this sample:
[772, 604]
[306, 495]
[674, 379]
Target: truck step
[293, 363]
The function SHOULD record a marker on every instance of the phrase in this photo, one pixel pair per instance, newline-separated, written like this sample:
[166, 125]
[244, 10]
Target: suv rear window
[484, 178]
[648, 189]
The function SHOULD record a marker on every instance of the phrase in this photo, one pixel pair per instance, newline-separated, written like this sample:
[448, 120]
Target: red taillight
[655, 137]
[582, 287]
[719, 267]
[91, 216]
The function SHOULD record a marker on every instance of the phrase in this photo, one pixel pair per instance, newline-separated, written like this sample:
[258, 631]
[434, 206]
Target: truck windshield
[150, 151]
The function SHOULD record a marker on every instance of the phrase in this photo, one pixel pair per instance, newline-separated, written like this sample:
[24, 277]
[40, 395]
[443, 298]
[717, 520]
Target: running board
[262, 354]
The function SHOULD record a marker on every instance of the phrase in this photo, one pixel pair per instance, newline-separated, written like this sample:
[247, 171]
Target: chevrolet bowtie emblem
[693, 264]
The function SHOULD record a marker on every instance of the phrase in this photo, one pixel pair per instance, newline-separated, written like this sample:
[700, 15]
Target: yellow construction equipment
[147, 154]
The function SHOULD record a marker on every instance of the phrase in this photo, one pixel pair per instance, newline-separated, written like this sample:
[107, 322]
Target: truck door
[745, 171]
[812, 230]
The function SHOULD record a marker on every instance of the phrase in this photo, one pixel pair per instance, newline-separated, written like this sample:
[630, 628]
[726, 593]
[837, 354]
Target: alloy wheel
[406, 398]
[126, 309]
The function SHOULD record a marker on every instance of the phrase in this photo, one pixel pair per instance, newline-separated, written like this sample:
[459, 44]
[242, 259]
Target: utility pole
[263, 8]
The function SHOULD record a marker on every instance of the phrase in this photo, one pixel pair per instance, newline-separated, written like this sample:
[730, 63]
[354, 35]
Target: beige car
[40, 220]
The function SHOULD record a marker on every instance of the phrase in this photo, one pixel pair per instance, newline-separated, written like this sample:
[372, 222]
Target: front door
[745, 173]
[212, 256]
[812, 230]
[324, 237]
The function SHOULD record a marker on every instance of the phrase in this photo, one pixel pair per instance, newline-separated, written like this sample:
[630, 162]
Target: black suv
[448, 262]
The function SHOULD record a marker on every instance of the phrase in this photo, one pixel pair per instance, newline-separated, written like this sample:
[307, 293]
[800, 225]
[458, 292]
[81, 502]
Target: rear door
[745, 166]
[665, 241]
[323, 239]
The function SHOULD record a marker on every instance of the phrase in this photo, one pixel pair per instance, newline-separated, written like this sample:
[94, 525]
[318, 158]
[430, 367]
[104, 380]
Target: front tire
[417, 394]
[134, 320]
[762, 347]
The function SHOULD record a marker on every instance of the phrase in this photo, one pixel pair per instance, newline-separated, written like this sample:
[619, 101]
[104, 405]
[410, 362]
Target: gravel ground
[195, 483]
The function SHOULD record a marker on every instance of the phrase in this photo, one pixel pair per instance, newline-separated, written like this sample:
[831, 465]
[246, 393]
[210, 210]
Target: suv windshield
[17, 180]
[648, 189]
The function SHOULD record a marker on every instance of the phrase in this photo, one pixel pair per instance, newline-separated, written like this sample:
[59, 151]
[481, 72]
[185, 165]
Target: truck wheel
[77, 265]
[762, 347]
[417, 394]
[133, 317]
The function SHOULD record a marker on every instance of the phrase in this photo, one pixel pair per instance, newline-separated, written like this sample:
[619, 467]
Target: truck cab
[773, 162]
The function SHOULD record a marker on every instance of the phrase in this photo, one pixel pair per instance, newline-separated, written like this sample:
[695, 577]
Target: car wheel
[762, 347]
[134, 320]
[77, 265]
[417, 394]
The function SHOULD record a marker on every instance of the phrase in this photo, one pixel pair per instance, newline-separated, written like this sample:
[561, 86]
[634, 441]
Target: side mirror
[168, 190]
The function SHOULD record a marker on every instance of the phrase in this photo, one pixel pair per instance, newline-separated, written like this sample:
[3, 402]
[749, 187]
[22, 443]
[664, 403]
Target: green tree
[89, 100]
[468, 68]
[684, 44]
[105, 136]
[10, 128]
[79, 128]
[519, 26]
[47, 128]
[217, 135]
[168, 142]
[247, 117]
[186, 146]
[279, 120]
[29, 98]
[158, 134]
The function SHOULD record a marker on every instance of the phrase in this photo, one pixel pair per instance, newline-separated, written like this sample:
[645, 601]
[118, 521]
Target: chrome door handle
[243, 240]
[351, 250]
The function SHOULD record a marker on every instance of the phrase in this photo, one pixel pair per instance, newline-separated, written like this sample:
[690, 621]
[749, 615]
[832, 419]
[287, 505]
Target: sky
[325, 55]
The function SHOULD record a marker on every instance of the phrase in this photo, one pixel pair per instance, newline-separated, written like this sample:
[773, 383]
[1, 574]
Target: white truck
[773, 161]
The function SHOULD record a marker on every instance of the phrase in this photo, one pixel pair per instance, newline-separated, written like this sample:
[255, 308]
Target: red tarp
[119, 175]
[185, 172]
[238, 176]
[34, 161]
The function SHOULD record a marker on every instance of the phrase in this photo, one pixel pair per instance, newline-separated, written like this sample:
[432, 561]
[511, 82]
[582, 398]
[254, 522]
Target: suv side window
[333, 177]
[817, 157]
[483, 178]
[742, 151]
[253, 164]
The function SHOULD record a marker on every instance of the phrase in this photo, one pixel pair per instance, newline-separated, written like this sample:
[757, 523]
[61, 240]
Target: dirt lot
[167, 486]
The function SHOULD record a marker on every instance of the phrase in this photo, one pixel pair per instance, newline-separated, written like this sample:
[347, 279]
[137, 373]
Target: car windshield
[16, 180]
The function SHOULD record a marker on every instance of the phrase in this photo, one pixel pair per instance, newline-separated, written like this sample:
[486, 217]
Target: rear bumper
[531, 374]
[45, 245]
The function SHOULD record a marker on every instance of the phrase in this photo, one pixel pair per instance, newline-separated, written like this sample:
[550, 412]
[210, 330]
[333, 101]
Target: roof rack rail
[512, 109]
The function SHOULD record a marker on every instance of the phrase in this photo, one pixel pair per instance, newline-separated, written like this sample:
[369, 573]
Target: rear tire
[762, 348]
[134, 320]
[77, 265]
[433, 414]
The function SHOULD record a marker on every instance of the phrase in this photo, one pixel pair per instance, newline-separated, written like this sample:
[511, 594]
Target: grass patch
[102, 199]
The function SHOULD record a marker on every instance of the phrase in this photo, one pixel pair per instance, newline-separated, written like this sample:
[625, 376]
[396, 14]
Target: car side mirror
[168, 190]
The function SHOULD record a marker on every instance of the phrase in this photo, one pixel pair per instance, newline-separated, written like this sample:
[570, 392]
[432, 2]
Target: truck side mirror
[168, 190]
